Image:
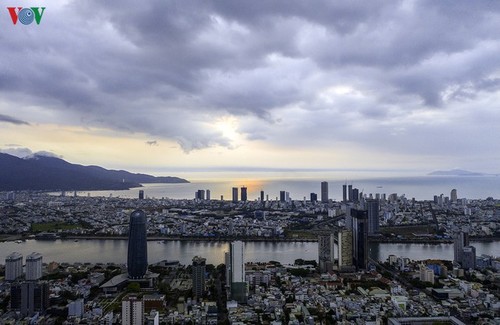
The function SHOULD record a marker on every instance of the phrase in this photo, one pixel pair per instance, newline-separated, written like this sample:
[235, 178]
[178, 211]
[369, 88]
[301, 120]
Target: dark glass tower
[373, 219]
[235, 194]
[324, 192]
[282, 196]
[244, 194]
[198, 269]
[360, 238]
[137, 261]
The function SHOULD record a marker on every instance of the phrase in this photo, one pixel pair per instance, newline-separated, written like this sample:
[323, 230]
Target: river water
[103, 251]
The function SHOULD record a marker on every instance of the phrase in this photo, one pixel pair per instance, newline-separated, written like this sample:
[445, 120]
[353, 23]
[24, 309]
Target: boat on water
[46, 236]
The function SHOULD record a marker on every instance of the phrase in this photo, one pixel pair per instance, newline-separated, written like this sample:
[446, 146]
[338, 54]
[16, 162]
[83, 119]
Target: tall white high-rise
[237, 262]
[239, 288]
[132, 310]
[33, 266]
[13, 266]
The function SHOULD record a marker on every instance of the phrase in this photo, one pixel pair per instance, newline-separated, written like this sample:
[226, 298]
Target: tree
[299, 272]
[133, 287]
[210, 268]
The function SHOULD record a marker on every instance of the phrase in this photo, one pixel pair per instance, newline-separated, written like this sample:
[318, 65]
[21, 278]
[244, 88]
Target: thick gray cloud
[22, 152]
[18, 152]
[296, 73]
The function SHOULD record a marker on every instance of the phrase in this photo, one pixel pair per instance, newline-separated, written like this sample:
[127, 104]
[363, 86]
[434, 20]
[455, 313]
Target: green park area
[53, 226]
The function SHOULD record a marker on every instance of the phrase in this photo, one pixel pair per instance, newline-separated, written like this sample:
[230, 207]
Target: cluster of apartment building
[268, 218]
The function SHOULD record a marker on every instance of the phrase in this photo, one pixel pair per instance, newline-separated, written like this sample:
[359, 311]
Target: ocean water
[300, 185]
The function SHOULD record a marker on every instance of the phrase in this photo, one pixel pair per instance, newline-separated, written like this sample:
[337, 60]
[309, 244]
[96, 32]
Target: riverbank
[254, 239]
[198, 239]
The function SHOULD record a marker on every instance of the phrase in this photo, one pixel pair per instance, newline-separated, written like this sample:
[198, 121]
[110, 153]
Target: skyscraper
[355, 195]
[373, 219]
[244, 193]
[33, 266]
[345, 249]
[198, 275]
[29, 297]
[200, 195]
[141, 194]
[348, 216]
[314, 197]
[461, 240]
[137, 260]
[237, 261]
[235, 194]
[360, 238]
[13, 266]
[344, 193]
[453, 196]
[324, 192]
[469, 257]
[282, 196]
[261, 196]
[238, 283]
[326, 252]
[208, 195]
[349, 191]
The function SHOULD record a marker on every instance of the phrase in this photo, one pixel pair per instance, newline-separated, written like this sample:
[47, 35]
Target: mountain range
[455, 172]
[50, 173]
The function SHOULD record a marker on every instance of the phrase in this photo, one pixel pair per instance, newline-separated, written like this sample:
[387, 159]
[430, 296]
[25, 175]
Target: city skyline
[408, 86]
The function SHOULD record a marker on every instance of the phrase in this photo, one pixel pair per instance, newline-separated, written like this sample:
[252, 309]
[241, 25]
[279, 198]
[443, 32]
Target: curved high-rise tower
[137, 260]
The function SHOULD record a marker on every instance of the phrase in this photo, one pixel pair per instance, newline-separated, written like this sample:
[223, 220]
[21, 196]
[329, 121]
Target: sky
[164, 85]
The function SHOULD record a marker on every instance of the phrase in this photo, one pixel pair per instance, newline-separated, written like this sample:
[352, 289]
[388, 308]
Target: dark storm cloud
[328, 70]
[13, 120]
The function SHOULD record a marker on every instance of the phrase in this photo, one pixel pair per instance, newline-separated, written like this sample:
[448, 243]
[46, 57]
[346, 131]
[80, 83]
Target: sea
[301, 184]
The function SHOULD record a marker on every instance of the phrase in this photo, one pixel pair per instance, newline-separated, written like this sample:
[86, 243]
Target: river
[103, 251]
